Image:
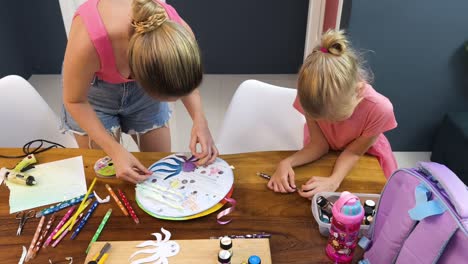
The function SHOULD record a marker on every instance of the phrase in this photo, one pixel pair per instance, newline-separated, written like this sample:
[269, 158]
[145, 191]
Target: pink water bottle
[347, 218]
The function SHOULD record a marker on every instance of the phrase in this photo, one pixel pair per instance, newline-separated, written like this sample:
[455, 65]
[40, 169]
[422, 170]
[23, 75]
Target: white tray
[324, 228]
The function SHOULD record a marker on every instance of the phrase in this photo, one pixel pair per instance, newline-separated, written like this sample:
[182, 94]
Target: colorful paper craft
[179, 190]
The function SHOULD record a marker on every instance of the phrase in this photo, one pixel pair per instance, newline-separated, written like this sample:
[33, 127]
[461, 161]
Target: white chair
[25, 115]
[68, 8]
[261, 118]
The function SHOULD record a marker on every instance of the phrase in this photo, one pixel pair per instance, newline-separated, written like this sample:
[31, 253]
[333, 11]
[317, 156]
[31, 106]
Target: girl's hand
[201, 135]
[283, 178]
[318, 184]
[128, 168]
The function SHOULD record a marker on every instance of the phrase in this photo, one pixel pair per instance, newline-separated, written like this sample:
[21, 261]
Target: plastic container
[324, 228]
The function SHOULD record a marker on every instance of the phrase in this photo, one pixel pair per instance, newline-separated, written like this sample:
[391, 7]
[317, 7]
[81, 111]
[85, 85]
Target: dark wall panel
[244, 36]
[417, 56]
[13, 41]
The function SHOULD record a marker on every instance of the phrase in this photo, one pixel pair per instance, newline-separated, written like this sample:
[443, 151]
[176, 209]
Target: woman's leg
[85, 142]
[156, 140]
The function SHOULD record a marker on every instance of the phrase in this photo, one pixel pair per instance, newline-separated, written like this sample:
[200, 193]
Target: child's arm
[200, 131]
[343, 166]
[283, 178]
[80, 63]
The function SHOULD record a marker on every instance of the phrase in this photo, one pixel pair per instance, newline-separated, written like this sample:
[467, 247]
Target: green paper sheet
[56, 181]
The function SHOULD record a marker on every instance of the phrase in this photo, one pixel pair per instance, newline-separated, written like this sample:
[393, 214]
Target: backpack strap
[425, 208]
[435, 243]
[428, 211]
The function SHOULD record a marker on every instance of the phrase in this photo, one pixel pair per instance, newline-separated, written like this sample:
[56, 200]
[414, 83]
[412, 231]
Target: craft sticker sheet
[179, 189]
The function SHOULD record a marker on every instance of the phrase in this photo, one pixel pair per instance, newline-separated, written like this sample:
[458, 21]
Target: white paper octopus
[162, 249]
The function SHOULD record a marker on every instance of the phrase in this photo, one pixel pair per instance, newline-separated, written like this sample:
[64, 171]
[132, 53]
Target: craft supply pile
[177, 190]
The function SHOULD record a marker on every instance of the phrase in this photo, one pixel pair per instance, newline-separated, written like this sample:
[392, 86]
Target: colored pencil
[116, 199]
[62, 205]
[64, 233]
[65, 226]
[73, 219]
[59, 225]
[99, 230]
[34, 240]
[128, 206]
[85, 219]
[42, 236]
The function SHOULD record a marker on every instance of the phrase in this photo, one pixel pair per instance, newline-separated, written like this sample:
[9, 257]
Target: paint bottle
[370, 204]
[226, 244]
[369, 210]
[224, 257]
[325, 205]
[254, 260]
[324, 217]
[368, 220]
[348, 214]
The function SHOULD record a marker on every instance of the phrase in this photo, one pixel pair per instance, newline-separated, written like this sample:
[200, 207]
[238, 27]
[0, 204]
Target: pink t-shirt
[372, 117]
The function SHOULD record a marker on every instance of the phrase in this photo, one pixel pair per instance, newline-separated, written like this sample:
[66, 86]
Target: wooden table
[295, 236]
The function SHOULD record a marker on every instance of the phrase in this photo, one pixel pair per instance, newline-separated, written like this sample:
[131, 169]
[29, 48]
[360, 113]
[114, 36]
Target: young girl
[124, 60]
[343, 113]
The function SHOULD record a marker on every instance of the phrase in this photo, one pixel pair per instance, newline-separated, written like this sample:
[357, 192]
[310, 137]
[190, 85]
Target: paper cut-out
[161, 249]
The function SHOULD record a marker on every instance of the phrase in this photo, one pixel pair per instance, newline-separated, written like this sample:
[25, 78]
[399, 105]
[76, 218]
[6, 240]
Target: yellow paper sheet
[56, 181]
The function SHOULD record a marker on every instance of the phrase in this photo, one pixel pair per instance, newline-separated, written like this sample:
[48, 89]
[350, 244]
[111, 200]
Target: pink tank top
[89, 13]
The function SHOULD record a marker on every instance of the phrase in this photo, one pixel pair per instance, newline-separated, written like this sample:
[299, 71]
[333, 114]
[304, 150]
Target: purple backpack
[422, 217]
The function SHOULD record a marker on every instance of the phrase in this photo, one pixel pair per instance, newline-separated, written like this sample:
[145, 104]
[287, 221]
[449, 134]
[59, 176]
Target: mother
[125, 59]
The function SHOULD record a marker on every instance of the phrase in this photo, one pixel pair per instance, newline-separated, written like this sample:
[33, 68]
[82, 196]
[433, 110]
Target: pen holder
[324, 228]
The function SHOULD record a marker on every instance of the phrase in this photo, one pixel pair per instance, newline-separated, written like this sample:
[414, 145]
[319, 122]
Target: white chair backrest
[25, 116]
[261, 118]
[68, 8]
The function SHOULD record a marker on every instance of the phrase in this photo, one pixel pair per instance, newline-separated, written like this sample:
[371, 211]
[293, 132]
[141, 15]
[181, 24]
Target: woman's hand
[283, 178]
[128, 168]
[318, 184]
[201, 135]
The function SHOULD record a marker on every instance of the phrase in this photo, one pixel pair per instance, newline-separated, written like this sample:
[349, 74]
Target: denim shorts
[121, 107]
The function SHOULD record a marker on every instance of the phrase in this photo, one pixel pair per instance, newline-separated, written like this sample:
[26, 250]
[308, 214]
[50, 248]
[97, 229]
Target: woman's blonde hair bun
[147, 15]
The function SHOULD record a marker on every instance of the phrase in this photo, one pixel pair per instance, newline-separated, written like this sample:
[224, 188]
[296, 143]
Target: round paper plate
[178, 190]
[207, 212]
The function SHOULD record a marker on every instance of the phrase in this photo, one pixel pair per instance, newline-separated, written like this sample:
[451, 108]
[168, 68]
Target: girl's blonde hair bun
[334, 42]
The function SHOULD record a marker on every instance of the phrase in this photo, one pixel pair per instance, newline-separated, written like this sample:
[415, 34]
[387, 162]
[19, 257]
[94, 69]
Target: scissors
[23, 256]
[23, 217]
